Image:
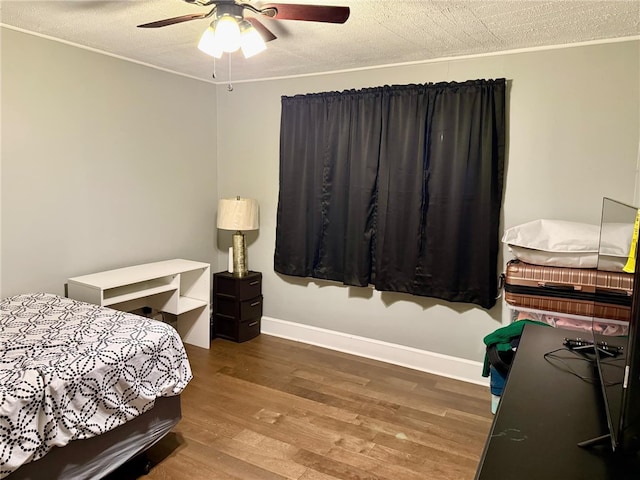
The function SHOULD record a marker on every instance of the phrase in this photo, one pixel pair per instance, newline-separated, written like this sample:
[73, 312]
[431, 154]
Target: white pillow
[561, 243]
[554, 236]
[556, 259]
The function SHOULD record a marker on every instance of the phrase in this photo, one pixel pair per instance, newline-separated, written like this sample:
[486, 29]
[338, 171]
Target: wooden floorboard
[276, 409]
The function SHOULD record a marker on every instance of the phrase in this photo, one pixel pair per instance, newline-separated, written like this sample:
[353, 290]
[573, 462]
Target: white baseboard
[436, 363]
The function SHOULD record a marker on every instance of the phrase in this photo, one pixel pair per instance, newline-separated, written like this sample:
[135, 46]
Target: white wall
[573, 138]
[105, 163]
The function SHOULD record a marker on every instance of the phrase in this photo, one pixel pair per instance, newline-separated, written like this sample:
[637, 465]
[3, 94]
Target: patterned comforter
[71, 370]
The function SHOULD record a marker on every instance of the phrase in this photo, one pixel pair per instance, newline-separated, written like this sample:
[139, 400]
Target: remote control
[579, 343]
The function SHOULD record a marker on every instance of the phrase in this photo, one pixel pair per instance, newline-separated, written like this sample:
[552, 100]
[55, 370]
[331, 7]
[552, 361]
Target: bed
[83, 388]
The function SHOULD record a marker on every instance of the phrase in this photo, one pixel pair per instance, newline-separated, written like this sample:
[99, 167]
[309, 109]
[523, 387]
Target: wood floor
[276, 409]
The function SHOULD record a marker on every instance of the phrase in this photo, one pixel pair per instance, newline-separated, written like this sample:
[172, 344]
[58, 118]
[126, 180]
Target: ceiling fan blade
[266, 34]
[174, 20]
[311, 13]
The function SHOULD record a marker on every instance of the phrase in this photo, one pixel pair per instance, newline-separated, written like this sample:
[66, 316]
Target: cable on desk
[551, 357]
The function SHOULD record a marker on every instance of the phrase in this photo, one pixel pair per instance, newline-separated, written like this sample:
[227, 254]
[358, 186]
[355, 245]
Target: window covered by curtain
[397, 186]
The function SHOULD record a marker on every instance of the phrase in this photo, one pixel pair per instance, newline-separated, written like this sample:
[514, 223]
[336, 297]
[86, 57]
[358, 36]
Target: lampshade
[227, 33]
[208, 43]
[238, 214]
[250, 41]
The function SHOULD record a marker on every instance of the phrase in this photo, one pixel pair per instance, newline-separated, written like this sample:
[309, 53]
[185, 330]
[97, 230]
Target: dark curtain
[396, 186]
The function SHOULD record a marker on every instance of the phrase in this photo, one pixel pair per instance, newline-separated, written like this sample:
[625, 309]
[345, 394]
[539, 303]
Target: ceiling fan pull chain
[230, 85]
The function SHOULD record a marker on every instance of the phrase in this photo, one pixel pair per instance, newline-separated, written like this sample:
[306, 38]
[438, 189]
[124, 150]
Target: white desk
[178, 287]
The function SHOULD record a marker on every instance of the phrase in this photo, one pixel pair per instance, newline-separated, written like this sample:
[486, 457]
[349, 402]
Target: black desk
[544, 412]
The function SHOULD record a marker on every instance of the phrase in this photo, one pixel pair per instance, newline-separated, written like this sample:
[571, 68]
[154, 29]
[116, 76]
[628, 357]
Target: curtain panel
[399, 187]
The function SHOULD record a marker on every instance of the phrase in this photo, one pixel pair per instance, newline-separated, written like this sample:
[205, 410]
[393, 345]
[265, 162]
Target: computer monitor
[618, 372]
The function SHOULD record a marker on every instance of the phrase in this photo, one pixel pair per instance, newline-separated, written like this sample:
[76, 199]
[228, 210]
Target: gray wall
[573, 138]
[105, 163]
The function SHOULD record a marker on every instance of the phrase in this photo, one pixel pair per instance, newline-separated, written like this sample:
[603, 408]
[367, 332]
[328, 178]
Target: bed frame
[96, 457]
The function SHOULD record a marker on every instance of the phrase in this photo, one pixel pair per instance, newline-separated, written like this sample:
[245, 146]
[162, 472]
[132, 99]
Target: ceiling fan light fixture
[208, 43]
[251, 42]
[227, 33]
[229, 30]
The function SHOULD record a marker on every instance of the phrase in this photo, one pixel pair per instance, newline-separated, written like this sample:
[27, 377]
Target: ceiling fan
[231, 30]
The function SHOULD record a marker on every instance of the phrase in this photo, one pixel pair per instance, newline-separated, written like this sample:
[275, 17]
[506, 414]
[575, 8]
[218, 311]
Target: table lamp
[238, 214]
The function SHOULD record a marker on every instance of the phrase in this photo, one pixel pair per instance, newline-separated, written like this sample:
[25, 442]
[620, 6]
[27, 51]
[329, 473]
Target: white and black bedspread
[71, 370]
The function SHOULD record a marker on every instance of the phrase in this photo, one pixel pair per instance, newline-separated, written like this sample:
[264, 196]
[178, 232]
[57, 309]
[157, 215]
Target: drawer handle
[255, 282]
[225, 315]
[255, 304]
[253, 324]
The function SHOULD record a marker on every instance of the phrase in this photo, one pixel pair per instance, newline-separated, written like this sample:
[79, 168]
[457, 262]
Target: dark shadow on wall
[389, 298]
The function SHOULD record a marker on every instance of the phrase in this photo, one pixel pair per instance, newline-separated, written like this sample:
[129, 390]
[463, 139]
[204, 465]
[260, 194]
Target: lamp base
[239, 255]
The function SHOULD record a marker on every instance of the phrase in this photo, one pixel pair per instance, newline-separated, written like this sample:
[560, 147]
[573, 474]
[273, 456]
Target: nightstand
[237, 305]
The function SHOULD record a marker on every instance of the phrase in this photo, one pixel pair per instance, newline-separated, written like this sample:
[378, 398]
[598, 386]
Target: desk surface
[544, 412]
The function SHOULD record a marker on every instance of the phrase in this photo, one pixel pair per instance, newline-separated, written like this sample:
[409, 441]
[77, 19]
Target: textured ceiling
[379, 32]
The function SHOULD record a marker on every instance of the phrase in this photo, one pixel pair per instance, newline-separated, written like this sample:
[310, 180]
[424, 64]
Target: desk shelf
[134, 291]
[187, 304]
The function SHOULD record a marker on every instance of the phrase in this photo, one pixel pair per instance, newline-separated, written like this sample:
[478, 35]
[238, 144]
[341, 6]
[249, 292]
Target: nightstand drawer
[239, 288]
[238, 331]
[251, 308]
[248, 330]
[239, 310]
